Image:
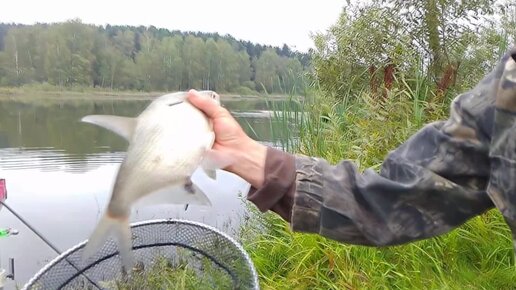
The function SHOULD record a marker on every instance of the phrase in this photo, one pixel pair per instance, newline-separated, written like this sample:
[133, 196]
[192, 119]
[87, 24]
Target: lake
[59, 173]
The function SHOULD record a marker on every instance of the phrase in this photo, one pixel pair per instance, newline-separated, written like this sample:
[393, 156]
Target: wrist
[250, 163]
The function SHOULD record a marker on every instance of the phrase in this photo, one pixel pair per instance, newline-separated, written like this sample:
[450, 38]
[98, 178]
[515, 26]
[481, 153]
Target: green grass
[476, 255]
[182, 276]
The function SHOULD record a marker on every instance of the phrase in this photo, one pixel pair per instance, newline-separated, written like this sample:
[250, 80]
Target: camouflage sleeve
[426, 187]
[502, 152]
[443, 175]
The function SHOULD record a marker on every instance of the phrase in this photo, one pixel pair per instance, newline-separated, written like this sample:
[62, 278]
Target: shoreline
[24, 93]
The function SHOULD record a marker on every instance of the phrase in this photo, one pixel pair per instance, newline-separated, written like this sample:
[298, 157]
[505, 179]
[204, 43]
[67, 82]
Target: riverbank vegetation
[381, 72]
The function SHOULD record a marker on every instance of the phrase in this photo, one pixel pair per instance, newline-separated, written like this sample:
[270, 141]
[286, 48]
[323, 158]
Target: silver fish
[168, 141]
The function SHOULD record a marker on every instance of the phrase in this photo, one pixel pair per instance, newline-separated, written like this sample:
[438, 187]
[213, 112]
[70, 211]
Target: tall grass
[476, 255]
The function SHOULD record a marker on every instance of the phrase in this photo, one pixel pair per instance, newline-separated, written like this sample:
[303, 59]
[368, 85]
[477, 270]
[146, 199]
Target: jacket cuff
[308, 198]
[278, 189]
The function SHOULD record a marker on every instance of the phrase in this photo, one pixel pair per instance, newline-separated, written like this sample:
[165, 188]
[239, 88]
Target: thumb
[207, 105]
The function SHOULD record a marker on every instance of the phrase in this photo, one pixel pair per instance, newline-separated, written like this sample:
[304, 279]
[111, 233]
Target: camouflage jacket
[446, 173]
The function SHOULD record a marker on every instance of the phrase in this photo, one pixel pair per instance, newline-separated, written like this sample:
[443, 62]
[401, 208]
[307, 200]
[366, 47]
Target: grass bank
[364, 128]
[51, 92]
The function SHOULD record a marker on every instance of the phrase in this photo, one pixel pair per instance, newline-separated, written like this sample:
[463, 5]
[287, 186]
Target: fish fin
[107, 226]
[214, 160]
[187, 193]
[200, 197]
[212, 173]
[207, 165]
[123, 126]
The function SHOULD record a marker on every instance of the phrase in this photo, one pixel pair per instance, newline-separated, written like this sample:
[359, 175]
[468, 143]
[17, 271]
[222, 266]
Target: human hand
[247, 156]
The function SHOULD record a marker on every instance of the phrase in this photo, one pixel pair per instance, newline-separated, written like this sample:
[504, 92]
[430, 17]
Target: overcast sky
[271, 22]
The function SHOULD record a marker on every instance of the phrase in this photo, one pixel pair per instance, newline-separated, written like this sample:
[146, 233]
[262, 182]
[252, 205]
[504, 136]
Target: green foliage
[441, 29]
[74, 54]
[278, 74]
[182, 275]
[451, 44]
[477, 255]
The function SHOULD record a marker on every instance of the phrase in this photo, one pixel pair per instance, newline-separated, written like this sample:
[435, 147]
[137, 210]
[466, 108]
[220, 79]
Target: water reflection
[59, 173]
[55, 124]
[48, 159]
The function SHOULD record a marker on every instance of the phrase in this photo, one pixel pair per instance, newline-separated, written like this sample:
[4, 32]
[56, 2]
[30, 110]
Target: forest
[144, 59]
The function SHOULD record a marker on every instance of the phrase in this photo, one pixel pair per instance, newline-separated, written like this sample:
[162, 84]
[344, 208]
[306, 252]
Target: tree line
[144, 58]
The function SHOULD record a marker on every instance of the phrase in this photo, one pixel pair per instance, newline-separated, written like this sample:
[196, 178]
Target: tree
[172, 64]
[360, 48]
[194, 61]
[213, 62]
[442, 30]
[69, 54]
[267, 71]
[113, 67]
[373, 42]
[22, 59]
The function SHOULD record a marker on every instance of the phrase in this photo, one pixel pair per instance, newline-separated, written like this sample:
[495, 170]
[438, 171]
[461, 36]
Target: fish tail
[111, 225]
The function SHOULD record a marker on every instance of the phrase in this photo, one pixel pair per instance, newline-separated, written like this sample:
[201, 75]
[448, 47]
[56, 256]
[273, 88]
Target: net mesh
[168, 254]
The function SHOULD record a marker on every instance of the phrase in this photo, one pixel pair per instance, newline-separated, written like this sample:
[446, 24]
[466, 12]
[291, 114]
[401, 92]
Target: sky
[271, 22]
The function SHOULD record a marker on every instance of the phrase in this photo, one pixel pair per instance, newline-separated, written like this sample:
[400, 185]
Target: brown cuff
[277, 192]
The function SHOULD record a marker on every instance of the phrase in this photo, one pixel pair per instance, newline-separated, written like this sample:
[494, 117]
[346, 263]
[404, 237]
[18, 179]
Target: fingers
[207, 105]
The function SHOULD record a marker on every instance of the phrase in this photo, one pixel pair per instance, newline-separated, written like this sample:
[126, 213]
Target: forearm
[340, 203]
[411, 202]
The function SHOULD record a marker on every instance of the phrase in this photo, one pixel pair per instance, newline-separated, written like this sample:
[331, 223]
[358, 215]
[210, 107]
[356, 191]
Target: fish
[168, 141]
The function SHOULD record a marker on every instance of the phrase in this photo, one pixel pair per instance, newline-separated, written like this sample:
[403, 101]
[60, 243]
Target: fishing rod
[45, 240]
[30, 227]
